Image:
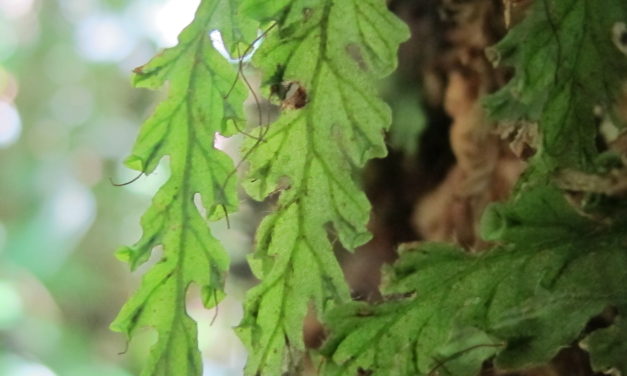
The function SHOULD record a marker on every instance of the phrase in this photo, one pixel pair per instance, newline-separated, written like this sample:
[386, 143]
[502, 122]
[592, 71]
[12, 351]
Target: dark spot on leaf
[263, 171]
[365, 313]
[136, 315]
[307, 13]
[276, 78]
[364, 372]
[354, 52]
[294, 95]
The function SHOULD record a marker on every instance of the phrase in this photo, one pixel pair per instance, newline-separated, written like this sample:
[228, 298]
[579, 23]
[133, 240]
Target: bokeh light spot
[104, 38]
[10, 124]
[73, 208]
[62, 65]
[172, 17]
[8, 41]
[72, 105]
[11, 304]
[15, 8]
[8, 86]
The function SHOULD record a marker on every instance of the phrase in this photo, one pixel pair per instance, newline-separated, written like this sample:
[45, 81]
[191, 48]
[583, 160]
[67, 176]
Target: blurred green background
[68, 117]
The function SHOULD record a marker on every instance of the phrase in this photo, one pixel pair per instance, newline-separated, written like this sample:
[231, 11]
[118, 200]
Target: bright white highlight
[218, 44]
[172, 17]
[10, 124]
[32, 369]
[15, 8]
[73, 209]
[104, 38]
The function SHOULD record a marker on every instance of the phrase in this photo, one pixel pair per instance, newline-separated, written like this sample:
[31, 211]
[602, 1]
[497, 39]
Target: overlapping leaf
[568, 60]
[183, 128]
[330, 51]
[522, 301]
[608, 348]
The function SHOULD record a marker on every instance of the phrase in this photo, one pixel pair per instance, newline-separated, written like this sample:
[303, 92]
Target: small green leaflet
[521, 301]
[566, 62]
[608, 348]
[183, 128]
[333, 51]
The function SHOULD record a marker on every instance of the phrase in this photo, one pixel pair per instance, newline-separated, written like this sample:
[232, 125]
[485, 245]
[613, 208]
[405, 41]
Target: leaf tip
[134, 162]
[124, 254]
[211, 296]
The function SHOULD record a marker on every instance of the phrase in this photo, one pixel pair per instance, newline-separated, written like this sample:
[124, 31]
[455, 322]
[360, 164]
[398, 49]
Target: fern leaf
[329, 53]
[447, 310]
[183, 128]
[568, 61]
[521, 301]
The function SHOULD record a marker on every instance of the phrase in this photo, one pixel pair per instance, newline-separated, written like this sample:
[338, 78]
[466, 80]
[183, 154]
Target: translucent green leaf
[567, 62]
[329, 53]
[235, 28]
[263, 10]
[524, 300]
[183, 128]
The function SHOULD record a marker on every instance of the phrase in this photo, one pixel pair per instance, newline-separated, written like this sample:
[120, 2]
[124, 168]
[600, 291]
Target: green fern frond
[183, 128]
[330, 53]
